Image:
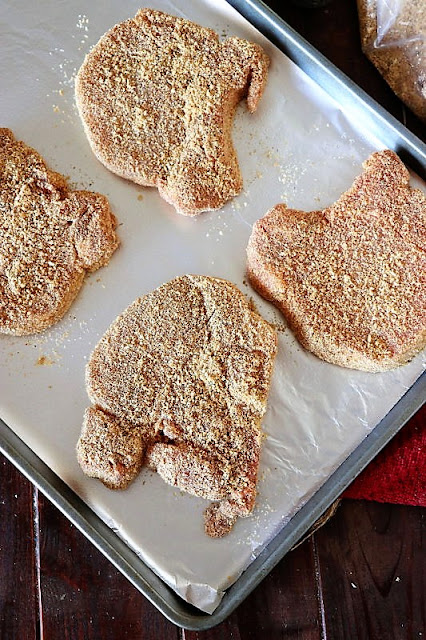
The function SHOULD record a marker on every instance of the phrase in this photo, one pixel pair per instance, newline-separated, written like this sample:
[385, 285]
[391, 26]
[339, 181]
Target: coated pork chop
[50, 237]
[180, 382]
[350, 279]
[157, 95]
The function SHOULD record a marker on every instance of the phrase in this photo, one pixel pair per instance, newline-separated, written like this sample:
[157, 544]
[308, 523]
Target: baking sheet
[298, 148]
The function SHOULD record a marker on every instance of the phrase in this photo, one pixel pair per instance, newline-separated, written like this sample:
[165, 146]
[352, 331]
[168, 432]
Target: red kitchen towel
[398, 473]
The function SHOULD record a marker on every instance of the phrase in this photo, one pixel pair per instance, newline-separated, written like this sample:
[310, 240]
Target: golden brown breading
[157, 95]
[189, 365]
[350, 279]
[49, 237]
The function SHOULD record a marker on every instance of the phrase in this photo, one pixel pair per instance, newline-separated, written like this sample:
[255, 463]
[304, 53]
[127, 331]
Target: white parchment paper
[298, 148]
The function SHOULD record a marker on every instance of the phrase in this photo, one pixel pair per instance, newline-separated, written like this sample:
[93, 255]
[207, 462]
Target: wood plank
[284, 605]
[372, 569]
[83, 595]
[18, 586]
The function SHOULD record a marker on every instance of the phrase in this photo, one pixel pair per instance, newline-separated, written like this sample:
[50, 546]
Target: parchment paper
[298, 148]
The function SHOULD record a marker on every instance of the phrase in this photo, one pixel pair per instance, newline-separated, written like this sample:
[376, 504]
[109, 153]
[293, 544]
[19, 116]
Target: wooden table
[361, 576]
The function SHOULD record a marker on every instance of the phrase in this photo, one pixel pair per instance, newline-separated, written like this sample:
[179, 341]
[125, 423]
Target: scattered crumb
[281, 328]
[44, 360]
[252, 305]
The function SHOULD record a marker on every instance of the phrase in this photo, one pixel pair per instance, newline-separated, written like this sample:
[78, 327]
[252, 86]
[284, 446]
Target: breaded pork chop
[351, 279]
[50, 236]
[180, 382]
[157, 95]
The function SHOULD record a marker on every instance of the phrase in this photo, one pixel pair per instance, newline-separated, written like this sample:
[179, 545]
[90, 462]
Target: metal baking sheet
[379, 130]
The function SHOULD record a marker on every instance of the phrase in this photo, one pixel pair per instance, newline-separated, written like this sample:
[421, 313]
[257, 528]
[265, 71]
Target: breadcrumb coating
[350, 279]
[157, 95]
[188, 365]
[50, 236]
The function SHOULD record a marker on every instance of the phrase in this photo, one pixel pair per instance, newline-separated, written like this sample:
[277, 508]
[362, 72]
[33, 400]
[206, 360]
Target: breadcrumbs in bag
[393, 36]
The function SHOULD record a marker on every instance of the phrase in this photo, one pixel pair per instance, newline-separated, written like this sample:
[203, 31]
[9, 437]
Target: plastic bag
[393, 36]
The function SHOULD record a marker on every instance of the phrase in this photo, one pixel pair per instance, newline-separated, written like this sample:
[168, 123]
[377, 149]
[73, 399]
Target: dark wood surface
[362, 575]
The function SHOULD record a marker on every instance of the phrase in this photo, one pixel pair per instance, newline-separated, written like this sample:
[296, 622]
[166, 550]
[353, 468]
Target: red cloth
[398, 473]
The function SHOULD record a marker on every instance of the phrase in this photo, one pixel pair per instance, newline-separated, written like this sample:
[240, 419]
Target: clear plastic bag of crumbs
[393, 37]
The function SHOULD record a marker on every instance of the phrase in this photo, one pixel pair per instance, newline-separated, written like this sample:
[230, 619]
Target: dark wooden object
[19, 561]
[361, 576]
